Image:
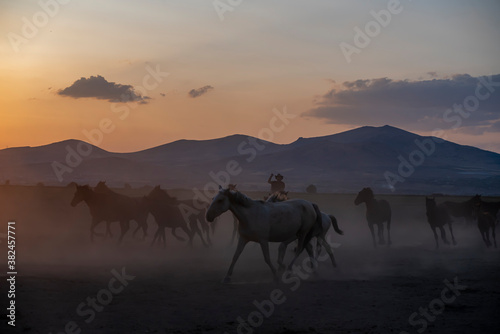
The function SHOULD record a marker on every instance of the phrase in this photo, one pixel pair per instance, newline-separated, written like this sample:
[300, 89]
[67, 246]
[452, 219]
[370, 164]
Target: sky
[129, 75]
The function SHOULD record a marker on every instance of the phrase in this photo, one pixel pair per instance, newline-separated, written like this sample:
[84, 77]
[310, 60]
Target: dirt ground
[65, 284]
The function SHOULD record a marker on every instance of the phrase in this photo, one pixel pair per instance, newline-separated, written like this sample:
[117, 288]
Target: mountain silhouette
[343, 162]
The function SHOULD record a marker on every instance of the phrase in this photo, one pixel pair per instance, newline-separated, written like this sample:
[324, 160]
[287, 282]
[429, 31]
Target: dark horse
[141, 209]
[167, 213]
[107, 208]
[485, 221]
[463, 209]
[377, 212]
[438, 216]
[491, 207]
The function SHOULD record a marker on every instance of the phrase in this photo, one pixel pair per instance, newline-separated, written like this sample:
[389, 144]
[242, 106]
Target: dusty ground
[178, 289]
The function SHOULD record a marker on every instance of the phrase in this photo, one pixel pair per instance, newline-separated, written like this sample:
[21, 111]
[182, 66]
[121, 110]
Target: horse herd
[277, 219]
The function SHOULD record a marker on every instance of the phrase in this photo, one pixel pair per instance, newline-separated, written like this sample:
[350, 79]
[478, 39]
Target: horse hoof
[226, 280]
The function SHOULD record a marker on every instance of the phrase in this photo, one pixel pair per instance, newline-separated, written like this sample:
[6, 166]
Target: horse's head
[101, 187]
[219, 205]
[364, 195]
[158, 195]
[81, 193]
[430, 202]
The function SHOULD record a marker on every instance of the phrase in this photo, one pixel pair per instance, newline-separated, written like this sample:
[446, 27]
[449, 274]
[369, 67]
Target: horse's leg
[176, 236]
[310, 252]
[188, 232]
[108, 230]
[435, 236]
[452, 236]
[241, 244]
[443, 235]
[157, 233]
[164, 237]
[265, 250]
[193, 224]
[389, 242]
[235, 228]
[493, 233]
[373, 235]
[206, 229]
[328, 250]
[381, 239]
[93, 224]
[125, 226]
[281, 253]
[318, 246]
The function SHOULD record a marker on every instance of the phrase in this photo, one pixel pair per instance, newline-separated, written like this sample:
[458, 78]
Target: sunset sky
[68, 65]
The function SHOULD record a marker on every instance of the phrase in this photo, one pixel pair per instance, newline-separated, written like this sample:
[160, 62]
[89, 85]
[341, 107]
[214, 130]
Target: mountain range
[388, 159]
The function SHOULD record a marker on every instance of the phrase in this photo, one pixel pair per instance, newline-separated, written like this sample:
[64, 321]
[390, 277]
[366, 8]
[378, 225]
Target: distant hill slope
[385, 158]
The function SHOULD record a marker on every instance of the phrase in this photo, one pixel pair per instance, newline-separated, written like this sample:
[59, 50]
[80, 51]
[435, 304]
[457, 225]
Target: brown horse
[167, 213]
[377, 212]
[438, 216]
[485, 222]
[141, 208]
[107, 208]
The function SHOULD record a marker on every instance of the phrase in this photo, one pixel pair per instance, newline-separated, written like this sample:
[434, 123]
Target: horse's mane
[238, 198]
[369, 192]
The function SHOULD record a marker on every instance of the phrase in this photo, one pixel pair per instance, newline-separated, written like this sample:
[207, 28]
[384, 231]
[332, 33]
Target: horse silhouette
[485, 222]
[491, 207]
[463, 209]
[139, 207]
[438, 216]
[377, 212]
[264, 222]
[326, 221]
[106, 207]
[167, 213]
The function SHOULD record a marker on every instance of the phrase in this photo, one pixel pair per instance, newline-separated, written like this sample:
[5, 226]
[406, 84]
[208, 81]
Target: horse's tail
[335, 225]
[318, 224]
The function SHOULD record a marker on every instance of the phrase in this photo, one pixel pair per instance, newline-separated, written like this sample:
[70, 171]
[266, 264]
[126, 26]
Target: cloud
[421, 104]
[99, 88]
[200, 91]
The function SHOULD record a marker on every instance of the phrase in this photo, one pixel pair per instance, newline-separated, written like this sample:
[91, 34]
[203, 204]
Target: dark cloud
[99, 88]
[200, 91]
[421, 104]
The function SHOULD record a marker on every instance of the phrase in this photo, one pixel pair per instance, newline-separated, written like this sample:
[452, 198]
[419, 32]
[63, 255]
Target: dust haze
[178, 289]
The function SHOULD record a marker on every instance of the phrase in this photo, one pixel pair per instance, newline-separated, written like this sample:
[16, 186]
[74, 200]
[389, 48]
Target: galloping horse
[141, 208]
[377, 212]
[326, 221]
[438, 216]
[105, 207]
[265, 222]
[485, 221]
[491, 207]
[463, 209]
[166, 211]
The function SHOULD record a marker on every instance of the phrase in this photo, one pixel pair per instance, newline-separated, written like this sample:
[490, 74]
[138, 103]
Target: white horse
[265, 222]
[326, 221]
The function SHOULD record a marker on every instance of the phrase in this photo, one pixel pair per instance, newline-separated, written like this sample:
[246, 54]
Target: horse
[167, 213]
[491, 207]
[105, 207]
[463, 209]
[265, 222]
[438, 216]
[326, 221]
[141, 209]
[235, 220]
[377, 212]
[485, 221]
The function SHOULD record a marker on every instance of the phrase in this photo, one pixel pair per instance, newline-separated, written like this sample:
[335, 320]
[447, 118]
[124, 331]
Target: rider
[277, 185]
